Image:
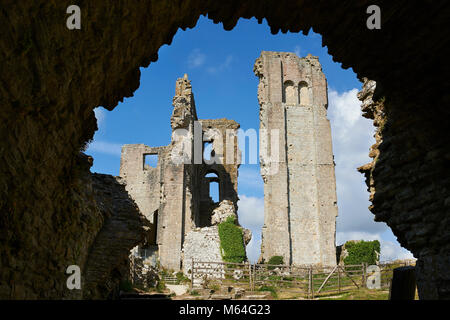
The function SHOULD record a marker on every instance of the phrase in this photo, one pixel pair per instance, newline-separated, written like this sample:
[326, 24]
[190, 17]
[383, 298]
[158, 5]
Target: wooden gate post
[310, 283]
[339, 280]
[250, 275]
[363, 282]
[192, 274]
[254, 277]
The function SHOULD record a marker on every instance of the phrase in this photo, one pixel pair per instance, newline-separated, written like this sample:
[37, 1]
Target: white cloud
[250, 177]
[346, 106]
[352, 137]
[196, 58]
[251, 216]
[254, 249]
[393, 251]
[105, 147]
[342, 237]
[100, 114]
[251, 212]
[223, 66]
[297, 50]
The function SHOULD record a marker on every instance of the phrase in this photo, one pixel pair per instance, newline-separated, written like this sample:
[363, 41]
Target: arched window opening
[289, 94]
[214, 190]
[303, 93]
[214, 186]
[211, 175]
[208, 151]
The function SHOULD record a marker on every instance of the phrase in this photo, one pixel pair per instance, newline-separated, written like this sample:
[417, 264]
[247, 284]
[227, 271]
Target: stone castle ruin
[53, 79]
[175, 194]
[299, 185]
[300, 205]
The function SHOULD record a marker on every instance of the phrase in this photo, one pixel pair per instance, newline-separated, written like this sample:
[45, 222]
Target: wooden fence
[305, 281]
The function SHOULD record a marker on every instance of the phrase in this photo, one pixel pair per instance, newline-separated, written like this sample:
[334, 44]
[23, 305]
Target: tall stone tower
[300, 206]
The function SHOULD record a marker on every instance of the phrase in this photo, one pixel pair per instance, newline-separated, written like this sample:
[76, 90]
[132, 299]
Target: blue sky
[220, 66]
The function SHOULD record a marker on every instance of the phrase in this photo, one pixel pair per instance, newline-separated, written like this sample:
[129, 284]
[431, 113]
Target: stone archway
[52, 78]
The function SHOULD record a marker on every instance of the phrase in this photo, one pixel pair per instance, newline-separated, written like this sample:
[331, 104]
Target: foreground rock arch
[52, 78]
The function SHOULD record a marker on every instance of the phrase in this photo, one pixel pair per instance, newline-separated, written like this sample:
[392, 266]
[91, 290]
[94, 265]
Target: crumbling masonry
[300, 206]
[175, 195]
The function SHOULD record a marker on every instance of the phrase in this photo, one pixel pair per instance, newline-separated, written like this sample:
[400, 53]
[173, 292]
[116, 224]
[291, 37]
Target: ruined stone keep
[175, 195]
[300, 206]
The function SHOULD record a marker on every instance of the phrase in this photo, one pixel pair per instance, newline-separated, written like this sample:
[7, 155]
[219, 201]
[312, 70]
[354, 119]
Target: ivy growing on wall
[231, 241]
[362, 251]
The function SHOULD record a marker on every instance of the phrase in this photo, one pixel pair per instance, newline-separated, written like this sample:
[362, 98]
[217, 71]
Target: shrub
[231, 241]
[161, 286]
[275, 260]
[361, 251]
[181, 278]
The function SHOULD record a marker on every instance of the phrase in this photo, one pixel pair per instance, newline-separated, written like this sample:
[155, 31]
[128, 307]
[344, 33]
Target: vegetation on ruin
[161, 286]
[231, 241]
[181, 278]
[362, 252]
[275, 260]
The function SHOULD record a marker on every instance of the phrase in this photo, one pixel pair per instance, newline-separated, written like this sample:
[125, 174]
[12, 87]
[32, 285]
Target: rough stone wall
[143, 181]
[177, 189]
[201, 244]
[375, 111]
[300, 199]
[407, 149]
[223, 135]
[52, 78]
[102, 224]
[124, 228]
[222, 212]
[142, 271]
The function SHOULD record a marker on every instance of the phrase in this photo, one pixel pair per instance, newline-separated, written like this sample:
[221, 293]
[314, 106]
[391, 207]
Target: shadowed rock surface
[52, 78]
[123, 228]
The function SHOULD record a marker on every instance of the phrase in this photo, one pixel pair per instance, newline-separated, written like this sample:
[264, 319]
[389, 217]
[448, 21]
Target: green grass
[271, 289]
[181, 278]
[161, 286]
[195, 293]
[358, 294]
